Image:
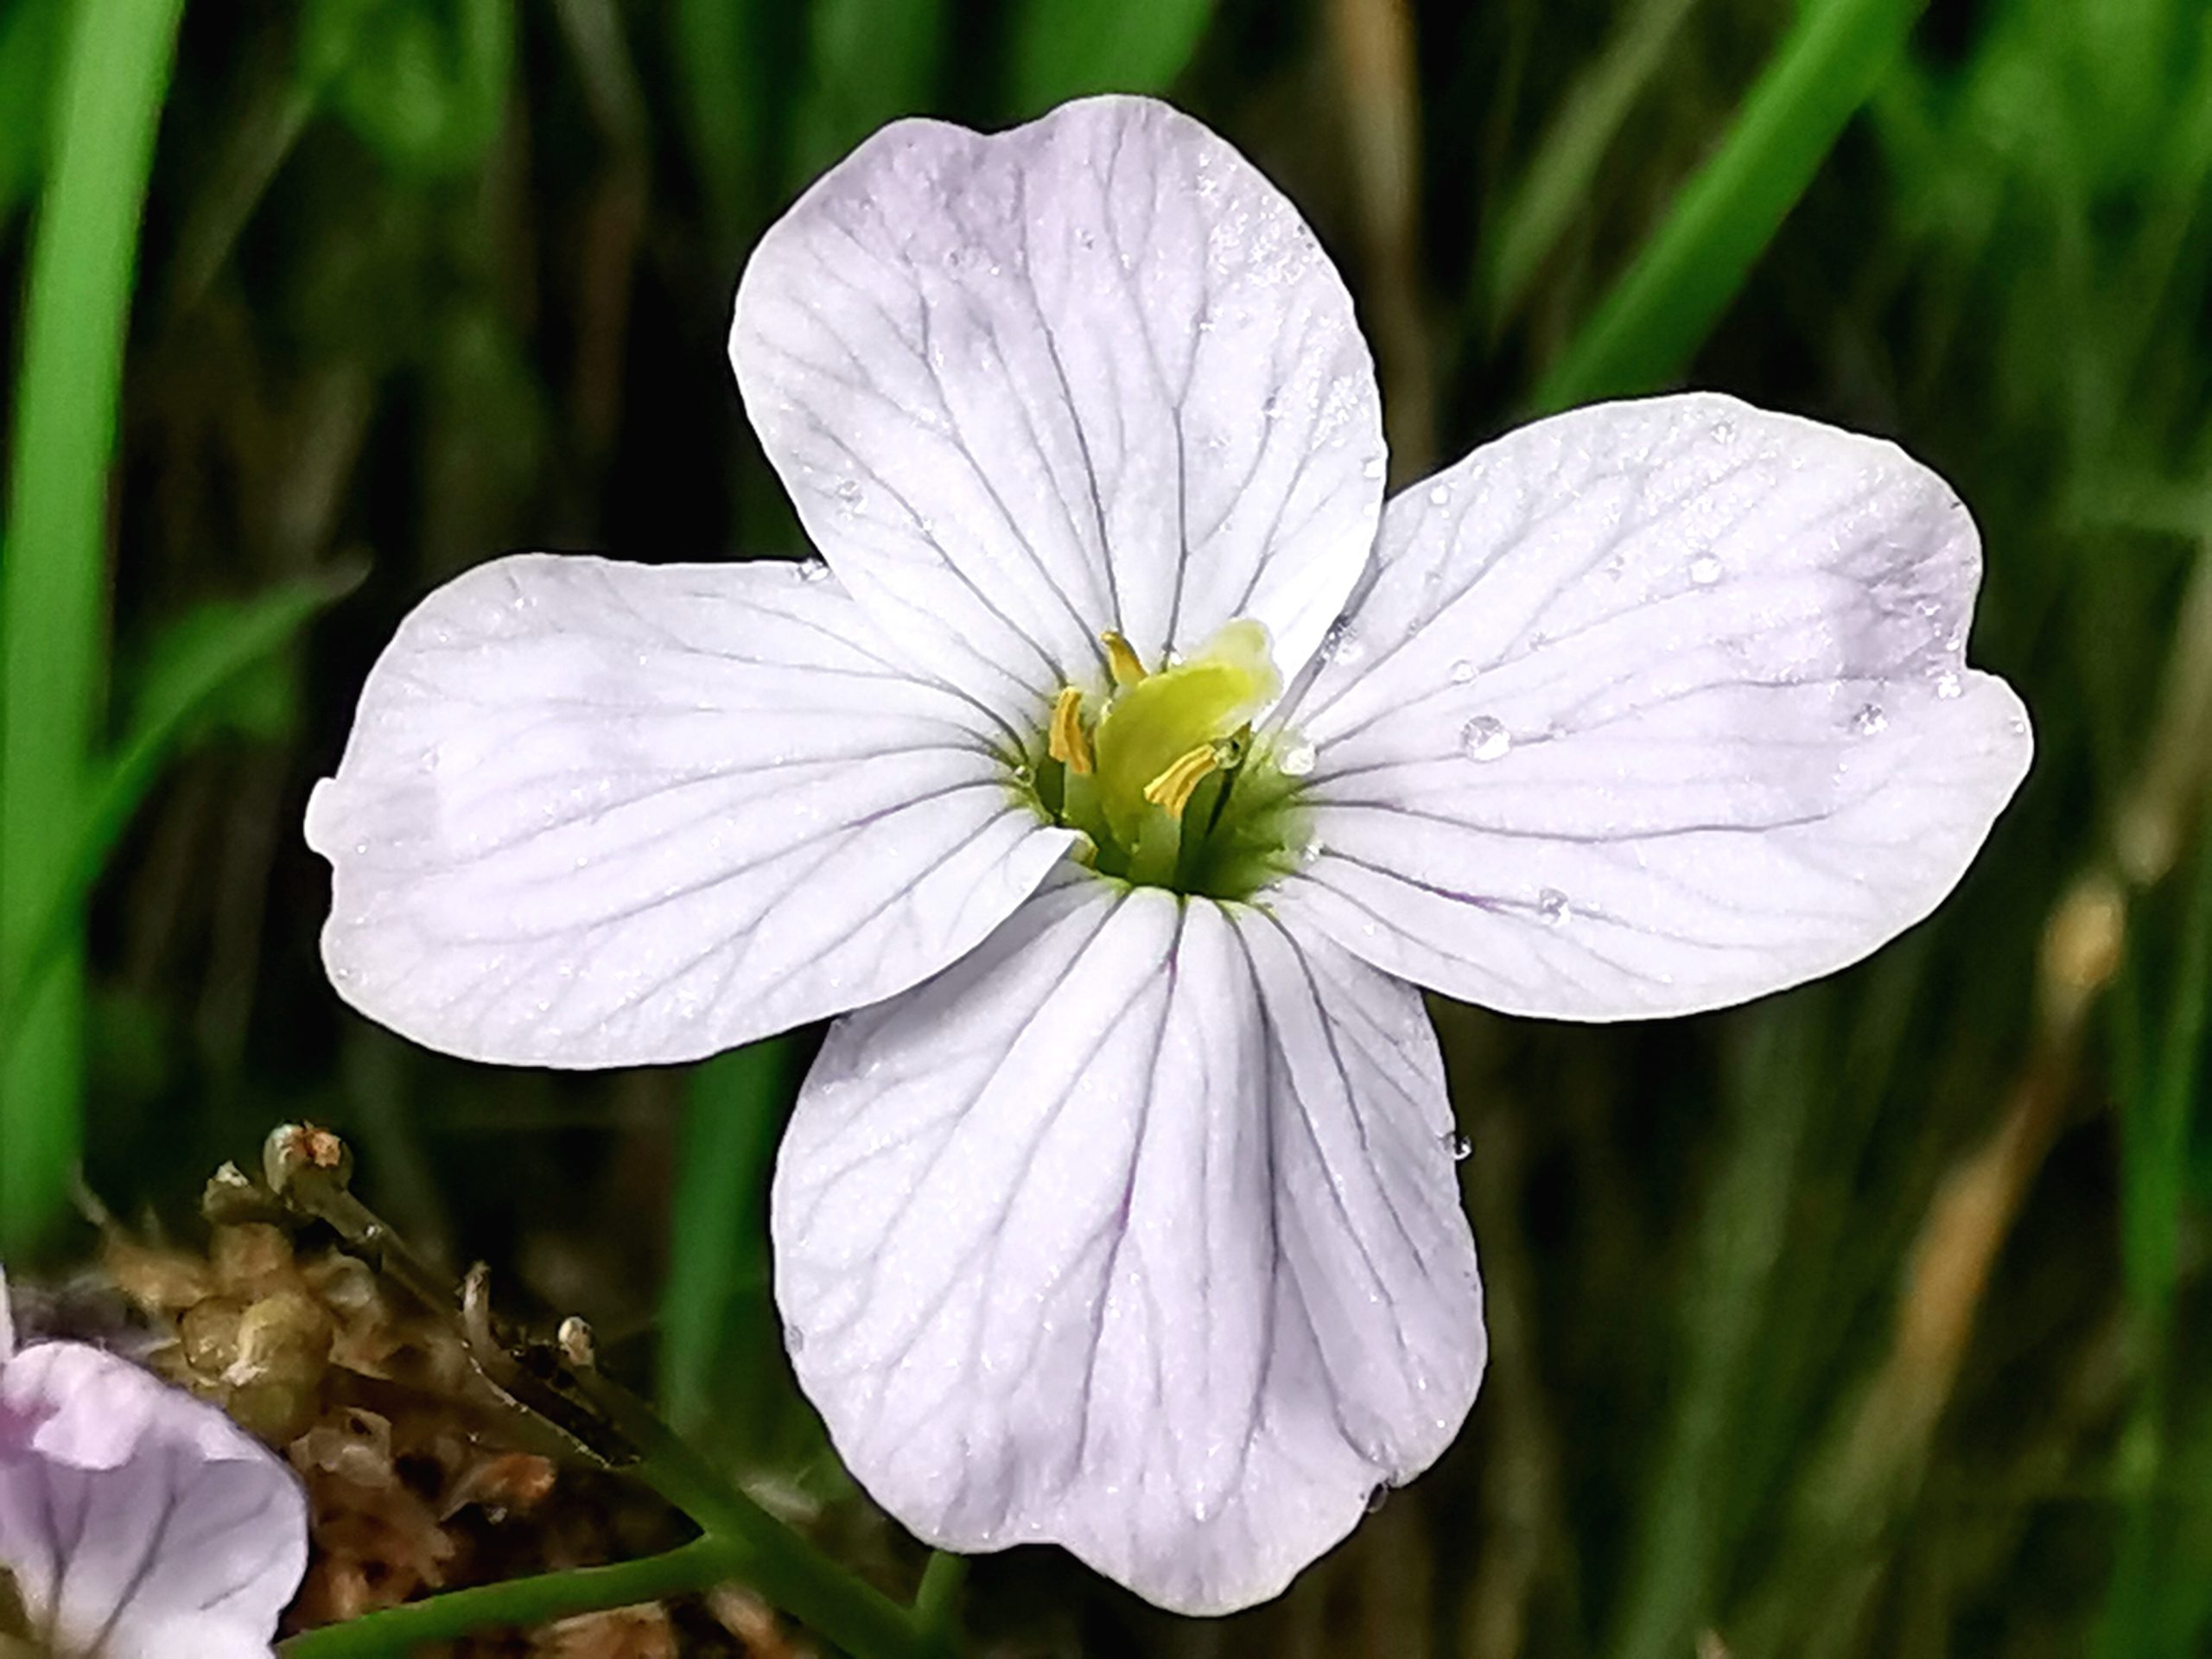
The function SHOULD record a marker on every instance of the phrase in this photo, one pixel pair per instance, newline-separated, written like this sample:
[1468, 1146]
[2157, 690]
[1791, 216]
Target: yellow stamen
[1121, 661]
[1171, 789]
[1066, 742]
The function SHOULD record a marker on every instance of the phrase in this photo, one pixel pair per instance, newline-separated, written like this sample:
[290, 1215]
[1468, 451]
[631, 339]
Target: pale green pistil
[1163, 779]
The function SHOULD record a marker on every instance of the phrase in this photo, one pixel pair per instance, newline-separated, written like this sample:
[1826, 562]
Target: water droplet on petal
[849, 491]
[794, 1339]
[814, 570]
[1378, 1496]
[1723, 430]
[1552, 908]
[1869, 720]
[1462, 672]
[1457, 1143]
[1439, 495]
[1705, 570]
[1310, 853]
[1949, 686]
[1374, 467]
[1296, 759]
[1024, 775]
[1485, 738]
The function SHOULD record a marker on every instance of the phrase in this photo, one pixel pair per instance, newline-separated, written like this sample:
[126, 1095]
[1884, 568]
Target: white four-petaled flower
[136, 1521]
[1127, 767]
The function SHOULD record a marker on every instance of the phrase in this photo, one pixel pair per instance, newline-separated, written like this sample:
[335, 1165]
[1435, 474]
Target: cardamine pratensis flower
[136, 1522]
[1120, 776]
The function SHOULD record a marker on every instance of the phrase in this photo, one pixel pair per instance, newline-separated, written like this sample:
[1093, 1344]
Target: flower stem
[777, 1561]
[538, 1600]
[567, 1398]
[937, 1601]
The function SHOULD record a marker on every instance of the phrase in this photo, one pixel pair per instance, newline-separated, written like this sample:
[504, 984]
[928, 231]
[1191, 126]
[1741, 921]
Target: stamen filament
[1066, 742]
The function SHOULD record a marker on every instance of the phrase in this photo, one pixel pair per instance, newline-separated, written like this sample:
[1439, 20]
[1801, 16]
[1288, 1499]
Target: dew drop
[1485, 738]
[1024, 775]
[1457, 1143]
[814, 570]
[1310, 854]
[1552, 906]
[1462, 672]
[1439, 495]
[1296, 759]
[1869, 720]
[1378, 1496]
[848, 491]
[1723, 430]
[1705, 570]
[794, 1339]
[1949, 686]
[1374, 467]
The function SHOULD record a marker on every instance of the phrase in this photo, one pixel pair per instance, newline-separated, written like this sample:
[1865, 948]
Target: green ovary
[1161, 774]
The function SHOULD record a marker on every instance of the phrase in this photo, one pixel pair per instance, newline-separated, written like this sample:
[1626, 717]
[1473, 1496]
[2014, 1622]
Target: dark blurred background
[1867, 1320]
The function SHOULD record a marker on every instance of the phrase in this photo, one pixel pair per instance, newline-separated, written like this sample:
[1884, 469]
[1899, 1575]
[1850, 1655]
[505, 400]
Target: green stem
[715, 1314]
[779, 1563]
[522, 1602]
[584, 1405]
[937, 1601]
[1647, 328]
[53, 580]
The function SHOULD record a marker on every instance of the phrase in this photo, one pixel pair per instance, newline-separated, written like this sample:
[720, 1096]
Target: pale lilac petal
[1136, 1231]
[1093, 373]
[600, 814]
[1651, 707]
[137, 1521]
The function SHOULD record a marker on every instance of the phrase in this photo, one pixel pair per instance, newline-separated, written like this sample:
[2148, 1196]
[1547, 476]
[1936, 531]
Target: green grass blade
[1733, 1280]
[1646, 328]
[721, 61]
[423, 85]
[1070, 48]
[29, 32]
[208, 654]
[2141, 1615]
[52, 581]
[716, 1305]
[1558, 182]
[868, 61]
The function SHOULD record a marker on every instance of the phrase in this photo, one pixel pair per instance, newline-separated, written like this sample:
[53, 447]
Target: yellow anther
[1171, 789]
[1066, 741]
[1121, 661]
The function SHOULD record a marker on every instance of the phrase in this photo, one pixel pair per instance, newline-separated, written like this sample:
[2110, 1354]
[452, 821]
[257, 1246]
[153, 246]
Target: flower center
[1160, 769]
